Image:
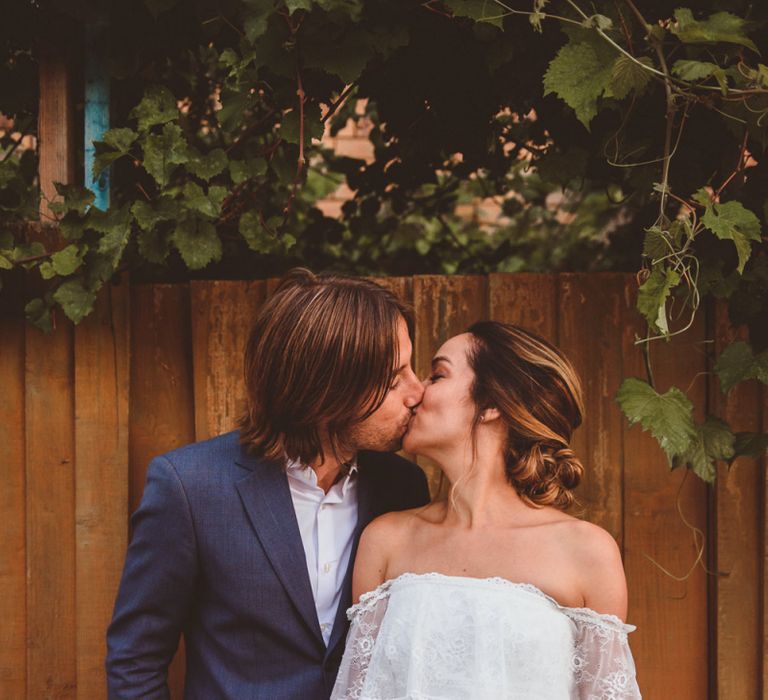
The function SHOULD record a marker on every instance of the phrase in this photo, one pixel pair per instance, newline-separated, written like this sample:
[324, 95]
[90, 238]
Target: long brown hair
[538, 394]
[321, 357]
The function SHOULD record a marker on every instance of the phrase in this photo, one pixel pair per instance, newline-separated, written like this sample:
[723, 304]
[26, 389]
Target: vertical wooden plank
[593, 306]
[446, 306]
[101, 449]
[525, 299]
[671, 641]
[161, 392]
[738, 496]
[50, 464]
[764, 557]
[222, 317]
[55, 120]
[13, 604]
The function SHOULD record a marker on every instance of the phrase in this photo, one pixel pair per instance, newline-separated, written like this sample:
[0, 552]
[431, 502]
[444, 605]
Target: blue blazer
[216, 554]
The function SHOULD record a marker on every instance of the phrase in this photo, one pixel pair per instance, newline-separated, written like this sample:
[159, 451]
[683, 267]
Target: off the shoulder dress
[439, 637]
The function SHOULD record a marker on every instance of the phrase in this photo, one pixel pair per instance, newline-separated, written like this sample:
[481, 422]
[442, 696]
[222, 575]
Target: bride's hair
[538, 394]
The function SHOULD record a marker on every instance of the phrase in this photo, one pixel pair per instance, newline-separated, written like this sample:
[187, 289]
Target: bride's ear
[489, 415]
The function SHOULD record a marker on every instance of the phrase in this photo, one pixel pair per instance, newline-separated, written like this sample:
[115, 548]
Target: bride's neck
[480, 495]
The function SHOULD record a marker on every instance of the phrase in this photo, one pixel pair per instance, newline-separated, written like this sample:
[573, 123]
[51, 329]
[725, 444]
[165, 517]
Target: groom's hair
[321, 357]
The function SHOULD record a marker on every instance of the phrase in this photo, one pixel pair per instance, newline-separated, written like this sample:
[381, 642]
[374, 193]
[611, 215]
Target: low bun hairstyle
[538, 394]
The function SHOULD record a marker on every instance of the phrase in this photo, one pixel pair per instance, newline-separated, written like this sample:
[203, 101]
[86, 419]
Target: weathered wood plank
[446, 306]
[526, 299]
[101, 449]
[592, 308]
[13, 604]
[222, 318]
[161, 392]
[50, 469]
[55, 121]
[671, 641]
[738, 498]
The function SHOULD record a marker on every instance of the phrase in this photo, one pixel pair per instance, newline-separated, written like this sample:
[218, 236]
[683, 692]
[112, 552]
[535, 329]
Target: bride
[496, 592]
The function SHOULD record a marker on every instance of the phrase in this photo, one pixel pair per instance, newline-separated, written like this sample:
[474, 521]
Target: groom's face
[384, 429]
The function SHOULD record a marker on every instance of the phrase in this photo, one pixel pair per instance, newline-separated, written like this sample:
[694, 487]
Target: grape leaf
[579, 74]
[732, 221]
[478, 10]
[737, 363]
[198, 242]
[714, 441]
[652, 296]
[158, 106]
[76, 301]
[693, 70]
[163, 153]
[721, 26]
[209, 165]
[668, 417]
[627, 76]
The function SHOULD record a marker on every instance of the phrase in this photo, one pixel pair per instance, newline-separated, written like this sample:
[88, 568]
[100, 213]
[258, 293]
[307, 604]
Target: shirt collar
[305, 473]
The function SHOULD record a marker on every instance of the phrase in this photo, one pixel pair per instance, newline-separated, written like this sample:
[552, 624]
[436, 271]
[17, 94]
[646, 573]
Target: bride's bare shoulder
[402, 524]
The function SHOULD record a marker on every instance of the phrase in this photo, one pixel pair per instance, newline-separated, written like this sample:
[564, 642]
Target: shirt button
[326, 568]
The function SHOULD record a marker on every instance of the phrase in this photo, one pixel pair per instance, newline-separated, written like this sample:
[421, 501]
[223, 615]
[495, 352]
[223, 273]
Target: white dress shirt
[327, 524]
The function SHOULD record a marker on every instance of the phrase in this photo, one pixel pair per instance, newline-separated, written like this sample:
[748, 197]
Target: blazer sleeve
[417, 490]
[156, 589]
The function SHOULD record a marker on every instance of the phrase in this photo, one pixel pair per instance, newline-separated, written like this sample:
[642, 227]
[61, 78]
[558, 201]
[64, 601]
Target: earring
[482, 418]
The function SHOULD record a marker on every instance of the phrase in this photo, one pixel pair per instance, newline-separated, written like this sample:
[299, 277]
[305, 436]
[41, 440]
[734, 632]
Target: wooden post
[55, 121]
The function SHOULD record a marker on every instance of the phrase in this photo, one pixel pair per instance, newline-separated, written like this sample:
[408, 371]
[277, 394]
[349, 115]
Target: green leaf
[198, 242]
[652, 296]
[732, 221]
[163, 153]
[627, 76]
[714, 442]
[750, 445]
[737, 363]
[115, 144]
[38, 313]
[158, 106]
[313, 126]
[67, 260]
[209, 165]
[194, 199]
[655, 244]
[5, 263]
[719, 27]
[478, 10]
[76, 198]
[153, 245]
[693, 70]
[242, 170]
[295, 5]
[579, 74]
[116, 227]
[255, 21]
[256, 236]
[148, 216]
[668, 417]
[76, 301]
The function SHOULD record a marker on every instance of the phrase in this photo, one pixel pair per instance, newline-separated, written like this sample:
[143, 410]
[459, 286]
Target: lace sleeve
[602, 664]
[365, 619]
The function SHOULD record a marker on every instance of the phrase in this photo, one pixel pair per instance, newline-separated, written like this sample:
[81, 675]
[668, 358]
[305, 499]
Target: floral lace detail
[436, 636]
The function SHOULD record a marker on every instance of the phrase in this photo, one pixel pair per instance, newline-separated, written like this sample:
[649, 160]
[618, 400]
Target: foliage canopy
[646, 123]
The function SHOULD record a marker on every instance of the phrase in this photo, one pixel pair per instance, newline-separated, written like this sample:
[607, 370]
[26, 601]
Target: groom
[245, 543]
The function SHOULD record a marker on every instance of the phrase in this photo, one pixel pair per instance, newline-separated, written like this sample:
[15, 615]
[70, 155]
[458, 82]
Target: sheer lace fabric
[430, 637]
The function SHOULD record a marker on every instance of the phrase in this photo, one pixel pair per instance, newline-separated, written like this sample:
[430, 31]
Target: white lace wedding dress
[432, 636]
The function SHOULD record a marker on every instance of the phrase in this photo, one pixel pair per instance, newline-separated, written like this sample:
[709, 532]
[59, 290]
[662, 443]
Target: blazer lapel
[366, 511]
[267, 500]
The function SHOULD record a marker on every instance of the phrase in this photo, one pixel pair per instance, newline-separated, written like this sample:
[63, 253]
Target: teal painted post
[96, 109]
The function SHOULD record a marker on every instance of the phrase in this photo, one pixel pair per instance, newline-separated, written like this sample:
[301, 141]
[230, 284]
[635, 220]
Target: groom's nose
[415, 389]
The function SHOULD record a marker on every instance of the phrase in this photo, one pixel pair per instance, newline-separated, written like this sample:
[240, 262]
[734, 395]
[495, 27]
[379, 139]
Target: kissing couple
[302, 559]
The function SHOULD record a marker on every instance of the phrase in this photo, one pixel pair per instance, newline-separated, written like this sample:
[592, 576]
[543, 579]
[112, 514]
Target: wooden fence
[156, 366]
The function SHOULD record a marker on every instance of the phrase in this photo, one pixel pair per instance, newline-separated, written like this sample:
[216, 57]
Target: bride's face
[443, 419]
